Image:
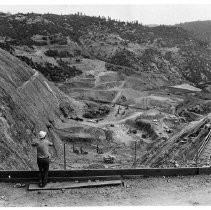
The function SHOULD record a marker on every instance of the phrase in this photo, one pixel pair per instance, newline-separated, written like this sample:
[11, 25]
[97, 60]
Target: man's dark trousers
[43, 165]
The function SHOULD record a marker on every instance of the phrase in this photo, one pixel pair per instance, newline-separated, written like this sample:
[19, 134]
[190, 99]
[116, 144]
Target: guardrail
[61, 175]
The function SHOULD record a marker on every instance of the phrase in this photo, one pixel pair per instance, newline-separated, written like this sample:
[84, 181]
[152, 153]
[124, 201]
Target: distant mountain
[152, 25]
[200, 29]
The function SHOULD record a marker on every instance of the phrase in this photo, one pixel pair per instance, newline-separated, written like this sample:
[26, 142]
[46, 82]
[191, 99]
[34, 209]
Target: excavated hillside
[28, 102]
[102, 85]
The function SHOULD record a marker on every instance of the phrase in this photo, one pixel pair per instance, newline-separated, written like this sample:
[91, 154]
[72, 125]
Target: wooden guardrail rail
[59, 175]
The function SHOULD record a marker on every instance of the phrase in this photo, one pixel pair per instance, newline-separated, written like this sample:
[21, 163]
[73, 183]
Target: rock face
[28, 102]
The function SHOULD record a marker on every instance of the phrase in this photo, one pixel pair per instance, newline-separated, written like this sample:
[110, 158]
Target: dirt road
[143, 191]
[32, 78]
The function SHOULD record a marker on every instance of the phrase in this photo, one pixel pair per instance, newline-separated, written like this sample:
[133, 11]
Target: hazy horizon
[145, 14]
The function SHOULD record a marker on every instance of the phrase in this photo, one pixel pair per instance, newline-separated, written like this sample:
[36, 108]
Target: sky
[146, 12]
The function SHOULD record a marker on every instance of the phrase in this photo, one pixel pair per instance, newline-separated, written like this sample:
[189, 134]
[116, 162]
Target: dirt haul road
[100, 124]
[144, 191]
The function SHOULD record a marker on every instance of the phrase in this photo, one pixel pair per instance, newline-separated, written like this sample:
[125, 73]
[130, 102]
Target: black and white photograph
[105, 104]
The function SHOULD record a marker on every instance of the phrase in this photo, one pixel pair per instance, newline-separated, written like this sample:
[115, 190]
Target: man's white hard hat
[42, 134]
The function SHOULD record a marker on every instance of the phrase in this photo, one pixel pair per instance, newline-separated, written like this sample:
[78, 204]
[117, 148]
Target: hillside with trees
[65, 39]
[200, 29]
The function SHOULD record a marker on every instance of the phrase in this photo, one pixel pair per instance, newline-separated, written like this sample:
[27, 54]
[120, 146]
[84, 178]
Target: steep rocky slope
[28, 102]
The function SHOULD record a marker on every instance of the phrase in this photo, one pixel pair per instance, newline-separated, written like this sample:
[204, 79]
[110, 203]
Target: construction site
[118, 145]
[126, 111]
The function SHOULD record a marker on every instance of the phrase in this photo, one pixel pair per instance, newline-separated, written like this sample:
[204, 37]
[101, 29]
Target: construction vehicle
[75, 150]
[144, 136]
[76, 118]
[109, 159]
[99, 150]
[117, 111]
[168, 130]
[83, 152]
[134, 131]
[93, 121]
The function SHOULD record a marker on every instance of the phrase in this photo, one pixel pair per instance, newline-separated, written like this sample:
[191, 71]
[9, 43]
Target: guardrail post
[135, 155]
[197, 157]
[64, 156]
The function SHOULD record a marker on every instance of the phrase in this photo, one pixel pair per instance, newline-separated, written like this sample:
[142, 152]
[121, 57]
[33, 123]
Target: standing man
[43, 156]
